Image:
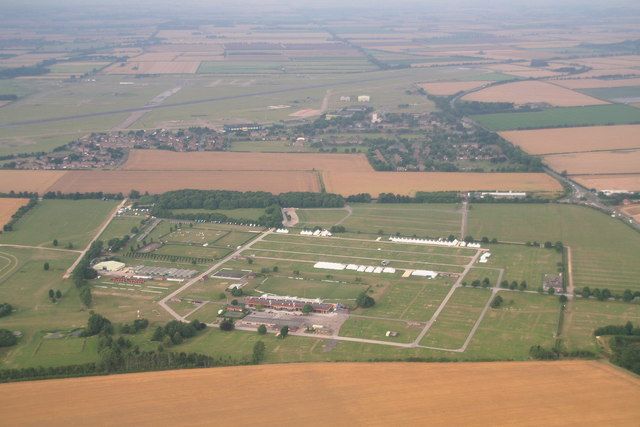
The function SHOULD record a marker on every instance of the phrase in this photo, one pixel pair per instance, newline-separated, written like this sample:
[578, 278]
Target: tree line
[83, 272]
[22, 210]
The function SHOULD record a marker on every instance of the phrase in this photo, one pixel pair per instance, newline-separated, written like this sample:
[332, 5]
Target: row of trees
[220, 199]
[604, 294]
[83, 272]
[22, 210]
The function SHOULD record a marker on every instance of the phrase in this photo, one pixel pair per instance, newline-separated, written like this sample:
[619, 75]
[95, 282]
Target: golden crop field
[450, 88]
[629, 182]
[343, 394]
[532, 91]
[407, 183]
[233, 161]
[161, 181]
[600, 162]
[568, 140]
[8, 207]
[38, 181]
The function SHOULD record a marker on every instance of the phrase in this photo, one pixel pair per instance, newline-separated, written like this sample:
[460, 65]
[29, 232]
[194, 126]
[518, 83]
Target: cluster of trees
[538, 352]
[421, 197]
[135, 327]
[360, 198]
[514, 285]
[624, 345]
[485, 283]
[118, 243]
[365, 301]
[626, 329]
[5, 309]
[19, 214]
[27, 70]
[604, 294]
[259, 352]
[338, 229]
[219, 199]
[175, 332]
[97, 324]
[83, 272]
[55, 295]
[7, 338]
[20, 194]
[227, 325]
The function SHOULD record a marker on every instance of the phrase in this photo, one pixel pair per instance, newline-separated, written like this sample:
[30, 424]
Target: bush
[262, 330]
[7, 339]
[98, 324]
[497, 302]
[227, 325]
[5, 309]
[365, 301]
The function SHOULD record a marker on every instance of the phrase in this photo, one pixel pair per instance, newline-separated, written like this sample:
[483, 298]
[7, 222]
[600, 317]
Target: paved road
[105, 224]
[172, 312]
[456, 285]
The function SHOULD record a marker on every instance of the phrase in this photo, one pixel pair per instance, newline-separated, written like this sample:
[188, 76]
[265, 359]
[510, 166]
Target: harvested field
[8, 207]
[632, 210]
[596, 83]
[570, 140]
[347, 183]
[154, 67]
[38, 181]
[420, 394]
[629, 182]
[601, 162]
[450, 88]
[162, 181]
[231, 161]
[522, 71]
[527, 92]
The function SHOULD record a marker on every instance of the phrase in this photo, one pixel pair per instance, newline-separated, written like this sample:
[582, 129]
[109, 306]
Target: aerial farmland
[300, 187]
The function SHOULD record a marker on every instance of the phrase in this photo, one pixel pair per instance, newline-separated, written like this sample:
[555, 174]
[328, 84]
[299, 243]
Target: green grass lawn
[454, 323]
[612, 93]
[69, 221]
[410, 300]
[345, 293]
[587, 315]
[604, 250]
[508, 332]
[120, 226]
[561, 117]
[434, 220]
[523, 263]
[320, 217]
[376, 329]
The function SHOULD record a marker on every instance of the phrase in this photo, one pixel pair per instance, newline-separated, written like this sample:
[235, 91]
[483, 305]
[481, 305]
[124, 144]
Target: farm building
[288, 303]
[364, 98]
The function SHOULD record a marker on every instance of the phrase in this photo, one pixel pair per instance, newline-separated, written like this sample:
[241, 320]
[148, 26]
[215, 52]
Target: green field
[120, 226]
[409, 300]
[587, 315]
[508, 332]
[454, 323]
[434, 220]
[561, 117]
[614, 93]
[376, 329]
[604, 250]
[344, 293]
[320, 217]
[524, 263]
[69, 221]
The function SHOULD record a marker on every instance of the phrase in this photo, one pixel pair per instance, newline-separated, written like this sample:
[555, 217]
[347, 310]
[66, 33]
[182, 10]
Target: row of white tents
[438, 242]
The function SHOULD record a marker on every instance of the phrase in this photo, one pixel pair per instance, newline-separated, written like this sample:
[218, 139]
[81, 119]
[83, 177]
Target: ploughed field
[348, 394]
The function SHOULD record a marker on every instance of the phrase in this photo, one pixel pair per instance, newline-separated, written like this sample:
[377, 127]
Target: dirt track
[514, 393]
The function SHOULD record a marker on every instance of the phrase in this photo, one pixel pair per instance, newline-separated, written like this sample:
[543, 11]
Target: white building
[345, 99]
[364, 98]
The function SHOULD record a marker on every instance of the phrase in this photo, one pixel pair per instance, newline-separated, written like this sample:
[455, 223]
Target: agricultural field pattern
[287, 184]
